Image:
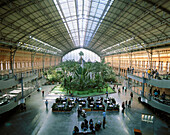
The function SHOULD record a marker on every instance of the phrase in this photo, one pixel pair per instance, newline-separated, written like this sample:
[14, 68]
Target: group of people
[130, 70]
[127, 103]
[81, 112]
[152, 73]
[157, 94]
[93, 127]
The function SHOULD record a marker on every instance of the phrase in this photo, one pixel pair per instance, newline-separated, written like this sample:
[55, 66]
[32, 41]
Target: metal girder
[65, 21]
[12, 59]
[21, 13]
[76, 5]
[49, 18]
[160, 7]
[50, 60]
[99, 21]
[32, 60]
[150, 12]
[43, 61]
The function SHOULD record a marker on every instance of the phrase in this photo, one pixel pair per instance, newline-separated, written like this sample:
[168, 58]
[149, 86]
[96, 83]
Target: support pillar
[130, 60]
[128, 82]
[143, 87]
[4, 65]
[32, 60]
[50, 60]
[43, 62]
[22, 86]
[12, 59]
[119, 66]
[150, 59]
[55, 61]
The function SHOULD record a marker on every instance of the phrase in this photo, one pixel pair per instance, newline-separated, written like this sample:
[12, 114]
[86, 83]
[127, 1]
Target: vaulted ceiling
[103, 26]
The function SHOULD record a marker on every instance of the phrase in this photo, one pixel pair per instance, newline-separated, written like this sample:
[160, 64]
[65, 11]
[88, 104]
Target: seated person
[91, 127]
[91, 122]
[82, 125]
[98, 125]
[163, 95]
[156, 93]
[76, 130]
[86, 123]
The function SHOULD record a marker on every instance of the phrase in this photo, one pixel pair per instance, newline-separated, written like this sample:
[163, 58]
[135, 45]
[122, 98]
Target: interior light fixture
[118, 44]
[45, 44]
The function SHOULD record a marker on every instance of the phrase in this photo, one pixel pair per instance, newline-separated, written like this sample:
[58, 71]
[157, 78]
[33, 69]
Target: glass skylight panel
[82, 18]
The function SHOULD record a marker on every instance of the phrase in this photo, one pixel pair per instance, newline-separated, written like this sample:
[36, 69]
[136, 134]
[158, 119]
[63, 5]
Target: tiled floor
[38, 120]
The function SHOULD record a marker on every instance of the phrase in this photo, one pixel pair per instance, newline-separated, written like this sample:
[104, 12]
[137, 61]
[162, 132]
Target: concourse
[75, 67]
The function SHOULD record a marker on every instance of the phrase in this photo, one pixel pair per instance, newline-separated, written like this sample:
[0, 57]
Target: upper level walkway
[163, 83]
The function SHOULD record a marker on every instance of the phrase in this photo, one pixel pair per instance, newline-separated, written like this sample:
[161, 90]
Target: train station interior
[131, 36]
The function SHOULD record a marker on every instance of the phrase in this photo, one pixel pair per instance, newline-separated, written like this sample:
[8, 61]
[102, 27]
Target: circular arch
[85, 50]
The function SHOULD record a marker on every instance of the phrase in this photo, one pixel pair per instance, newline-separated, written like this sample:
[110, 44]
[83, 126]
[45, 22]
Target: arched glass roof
[104, 26]
[88, 55]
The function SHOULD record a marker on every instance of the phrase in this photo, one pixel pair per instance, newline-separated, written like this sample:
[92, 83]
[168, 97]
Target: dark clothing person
[131, 94]
[163, 95]
[46, 103]
[123, 105]
[91, 127]
[104, 122]
[128, 69]
[86, 122]
[158, 92]
[106, 93]
[76, 130]
[43, 93]
[126, 103]
[129, 103]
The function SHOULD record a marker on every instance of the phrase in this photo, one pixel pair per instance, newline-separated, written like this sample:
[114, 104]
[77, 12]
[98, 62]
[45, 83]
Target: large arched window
[88, 55]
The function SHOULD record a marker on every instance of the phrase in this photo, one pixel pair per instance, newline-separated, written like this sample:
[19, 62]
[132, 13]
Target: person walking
[126, 103]
[123, 106]
[129, 104]
[131, 94]
[43, 93]
[104, 122]
[106, 93]
[46, 103]
[104, 114]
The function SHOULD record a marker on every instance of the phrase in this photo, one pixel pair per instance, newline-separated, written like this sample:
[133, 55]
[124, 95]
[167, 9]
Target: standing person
[104, 122]
[43, 93]
[104, 114]
[132, 70]
[125, 89]
[46, 103]
[106, 93]
[122, 88]
[149, 74]
[131, 94]
[128, 69]
[123, 106]
[118, 90]
[126, 103]
[129, 104]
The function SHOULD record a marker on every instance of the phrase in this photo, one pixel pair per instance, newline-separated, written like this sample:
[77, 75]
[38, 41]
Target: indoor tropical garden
[80, 78]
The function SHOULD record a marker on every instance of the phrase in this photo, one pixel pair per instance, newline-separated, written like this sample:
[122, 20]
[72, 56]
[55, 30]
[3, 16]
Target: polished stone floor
[41, 121]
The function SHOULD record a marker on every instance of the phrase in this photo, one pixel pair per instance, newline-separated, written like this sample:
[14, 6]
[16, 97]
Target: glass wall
[88, 55]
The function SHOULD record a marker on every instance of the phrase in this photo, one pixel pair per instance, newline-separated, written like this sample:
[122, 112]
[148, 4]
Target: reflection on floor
[38, 120]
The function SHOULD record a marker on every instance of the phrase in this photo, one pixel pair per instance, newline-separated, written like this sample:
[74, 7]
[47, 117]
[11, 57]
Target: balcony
[161, 82]
[156, 104]
[9, 80]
